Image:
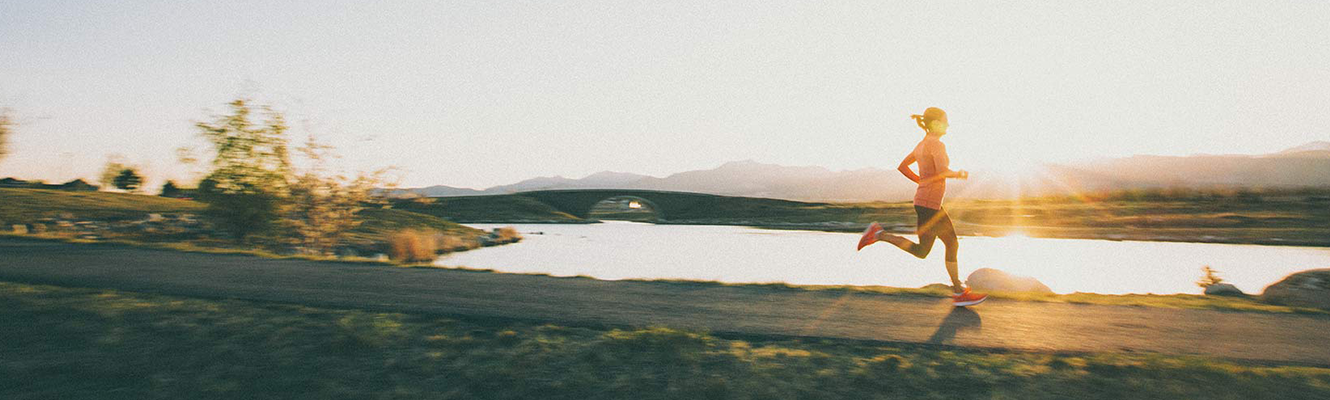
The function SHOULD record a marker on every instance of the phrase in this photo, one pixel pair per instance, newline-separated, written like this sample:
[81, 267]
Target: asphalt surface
[1016, 325]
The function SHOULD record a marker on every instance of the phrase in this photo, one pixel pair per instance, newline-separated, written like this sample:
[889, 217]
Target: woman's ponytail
[919, 119]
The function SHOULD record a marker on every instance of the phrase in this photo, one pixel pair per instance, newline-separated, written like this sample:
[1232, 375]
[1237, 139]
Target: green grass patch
[210, 248]
[380, 224]
[19, 206]
[504, 208]
[386, 220]
[85, 343]
[29, 205]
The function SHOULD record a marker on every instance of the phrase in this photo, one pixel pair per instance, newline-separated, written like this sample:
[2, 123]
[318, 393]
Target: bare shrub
[507, 234]
[1209, 277]
[413, 246]
[324, 205]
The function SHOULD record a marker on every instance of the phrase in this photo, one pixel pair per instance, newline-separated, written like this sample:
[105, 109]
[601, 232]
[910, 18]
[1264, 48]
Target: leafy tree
[128, 180]
[115, 164]
[171, 190]
[251, 169]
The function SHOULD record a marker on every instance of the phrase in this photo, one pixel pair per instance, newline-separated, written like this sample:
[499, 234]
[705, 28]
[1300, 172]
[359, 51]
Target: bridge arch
[626, 207]
[580, 202]
[676, 206]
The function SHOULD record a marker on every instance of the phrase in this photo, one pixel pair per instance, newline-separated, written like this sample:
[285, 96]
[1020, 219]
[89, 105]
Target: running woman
[933, 221]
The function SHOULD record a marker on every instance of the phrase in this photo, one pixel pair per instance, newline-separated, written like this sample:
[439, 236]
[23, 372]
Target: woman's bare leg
[953, 267]
[919, 250]
[947, 233]
[933, 225]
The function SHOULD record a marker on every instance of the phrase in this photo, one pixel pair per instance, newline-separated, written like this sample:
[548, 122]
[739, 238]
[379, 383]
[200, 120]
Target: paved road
[748, 310]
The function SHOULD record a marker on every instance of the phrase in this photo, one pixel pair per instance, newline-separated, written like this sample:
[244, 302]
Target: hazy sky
[483, 93]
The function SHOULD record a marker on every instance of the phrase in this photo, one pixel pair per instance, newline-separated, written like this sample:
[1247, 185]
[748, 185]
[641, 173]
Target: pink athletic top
[931, 155]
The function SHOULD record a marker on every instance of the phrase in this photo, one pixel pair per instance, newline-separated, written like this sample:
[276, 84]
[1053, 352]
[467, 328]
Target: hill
[1307, 165]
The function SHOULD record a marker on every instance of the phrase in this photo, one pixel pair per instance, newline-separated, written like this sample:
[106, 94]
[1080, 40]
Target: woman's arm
[948, 174]
[904, 168]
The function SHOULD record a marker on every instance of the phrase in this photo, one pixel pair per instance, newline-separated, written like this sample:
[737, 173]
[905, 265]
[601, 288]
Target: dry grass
[423, 246]
[411, 246]
[508, 234]
[450, 243]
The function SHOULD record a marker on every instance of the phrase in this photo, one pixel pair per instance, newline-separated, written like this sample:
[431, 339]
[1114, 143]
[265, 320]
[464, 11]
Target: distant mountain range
[1305, 165]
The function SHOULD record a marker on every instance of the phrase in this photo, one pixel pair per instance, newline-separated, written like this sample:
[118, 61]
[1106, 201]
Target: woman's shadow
[960, 319]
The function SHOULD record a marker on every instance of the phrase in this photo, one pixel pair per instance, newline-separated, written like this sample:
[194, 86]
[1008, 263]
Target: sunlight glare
[1016, 235]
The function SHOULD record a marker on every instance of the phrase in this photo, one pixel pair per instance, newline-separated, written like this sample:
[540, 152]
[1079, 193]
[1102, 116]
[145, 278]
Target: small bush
[413, 246]
[1210, 277]
[507, 234]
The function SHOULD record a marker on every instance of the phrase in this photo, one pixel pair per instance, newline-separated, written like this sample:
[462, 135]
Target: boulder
[1223, 289]
[992, 280]
[1303, 289]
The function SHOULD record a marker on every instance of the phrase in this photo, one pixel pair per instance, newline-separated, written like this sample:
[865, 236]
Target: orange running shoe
[870, 236]
[968, 299]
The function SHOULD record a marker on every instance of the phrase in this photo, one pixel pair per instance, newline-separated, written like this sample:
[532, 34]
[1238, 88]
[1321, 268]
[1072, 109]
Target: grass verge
[26, 205]
[1190, 301]
[32, 206]
[85, 343]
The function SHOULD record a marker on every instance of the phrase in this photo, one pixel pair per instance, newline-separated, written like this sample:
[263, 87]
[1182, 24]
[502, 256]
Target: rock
[1223, 289]
[1303, 289]
[992, 280]
[344, 252]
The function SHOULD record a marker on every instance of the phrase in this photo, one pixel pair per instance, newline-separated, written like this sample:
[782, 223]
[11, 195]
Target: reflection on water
[623, 250]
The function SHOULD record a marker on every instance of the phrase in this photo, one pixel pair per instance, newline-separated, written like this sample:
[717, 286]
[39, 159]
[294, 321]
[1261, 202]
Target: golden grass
[410, 246]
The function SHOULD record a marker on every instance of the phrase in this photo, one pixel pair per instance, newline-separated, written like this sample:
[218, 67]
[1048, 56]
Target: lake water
[623, 250]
